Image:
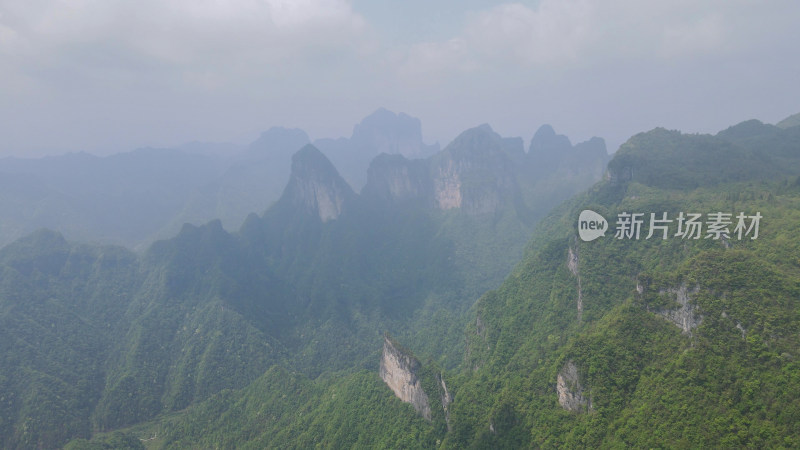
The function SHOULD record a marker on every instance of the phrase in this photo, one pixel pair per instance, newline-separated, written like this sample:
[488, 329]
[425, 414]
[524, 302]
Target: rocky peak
[394, 178]
[546, 142]
[473, 172]
[381, 132]
[386, 132]
[315, 186]
[551, 151]
[475, 143]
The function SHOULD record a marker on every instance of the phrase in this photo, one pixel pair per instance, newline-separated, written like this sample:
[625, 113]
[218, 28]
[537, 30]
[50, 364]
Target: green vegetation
[731, 382]
[271, 337]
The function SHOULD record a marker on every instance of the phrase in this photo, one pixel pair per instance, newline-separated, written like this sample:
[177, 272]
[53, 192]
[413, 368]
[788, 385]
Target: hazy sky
[111, 75]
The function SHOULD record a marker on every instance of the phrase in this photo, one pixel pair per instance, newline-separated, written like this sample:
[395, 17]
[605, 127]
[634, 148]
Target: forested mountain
[97, 338]
[650, 342]
[275, 336]
[627, 341]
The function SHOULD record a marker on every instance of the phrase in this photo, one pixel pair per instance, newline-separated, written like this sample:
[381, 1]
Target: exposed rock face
[447, 185]
[685, 316]
[572, 265]
[386, 132]
[446, 399]
[570, 391]
[394, 179]
[572, 261]
[315, 186]
[473, 173]
[399, 371]
[482, 173]
[381, 132]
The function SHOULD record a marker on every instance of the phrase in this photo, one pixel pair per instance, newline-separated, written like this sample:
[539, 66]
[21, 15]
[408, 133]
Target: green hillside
[731, 381]
[677, 342]
[271, 337]
[96, 339]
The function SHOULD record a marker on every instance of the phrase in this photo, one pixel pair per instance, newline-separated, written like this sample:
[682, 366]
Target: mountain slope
[614, 342]
[647, 342]
[309, 286]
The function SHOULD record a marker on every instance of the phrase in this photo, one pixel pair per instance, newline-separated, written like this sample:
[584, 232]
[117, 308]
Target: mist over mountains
[136, 197]
[308, 284]
[448, 303]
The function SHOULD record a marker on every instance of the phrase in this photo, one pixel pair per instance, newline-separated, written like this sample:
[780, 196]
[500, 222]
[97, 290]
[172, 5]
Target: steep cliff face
[315, 186]
[399, 371]
[685, 315]
[386, 132]
[381, 132]
[570, 391]
[446, 399]
[474, 173]
[447, 185]
[572, 265]
[393, 178]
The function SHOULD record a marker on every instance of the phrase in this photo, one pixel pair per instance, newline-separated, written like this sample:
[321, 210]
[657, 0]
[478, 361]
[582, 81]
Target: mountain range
[135, 198]
[450, 303]
[98, 337]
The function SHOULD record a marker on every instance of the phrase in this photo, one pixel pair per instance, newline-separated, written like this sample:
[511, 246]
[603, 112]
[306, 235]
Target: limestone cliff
[685, 316]
[572, 265]
[386, 132]
[381, 132]
[395, 179]
[315, 186]
[447, 185]
[474, 173]
[570, 391]
[399, 371]
[446, 399]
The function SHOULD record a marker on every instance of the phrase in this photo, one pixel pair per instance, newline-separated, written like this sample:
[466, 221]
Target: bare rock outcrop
[399, 371]
[570, 390]
[685, 316]
[315, 186]
[572, 265]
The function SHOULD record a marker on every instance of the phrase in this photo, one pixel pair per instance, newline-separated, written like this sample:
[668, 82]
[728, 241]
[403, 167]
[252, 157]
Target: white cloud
[103, 74]
[555, 32]
[566, 33]
[204, 39]
[432, 62]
